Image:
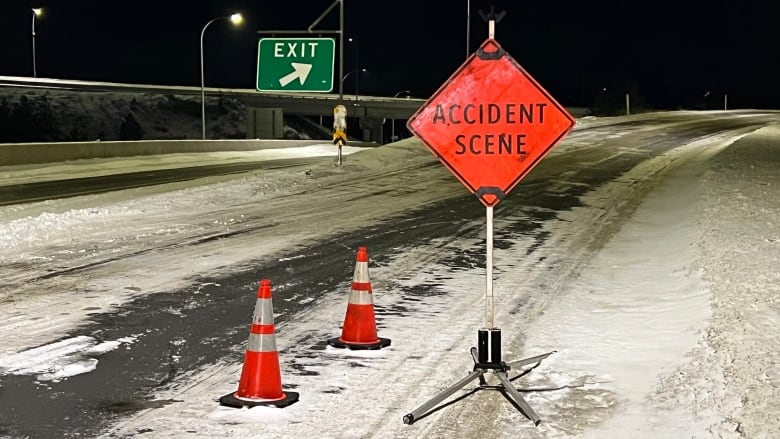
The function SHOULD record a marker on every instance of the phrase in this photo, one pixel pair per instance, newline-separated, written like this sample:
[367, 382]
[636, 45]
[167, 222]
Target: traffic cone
[261, 379]
[359, 330]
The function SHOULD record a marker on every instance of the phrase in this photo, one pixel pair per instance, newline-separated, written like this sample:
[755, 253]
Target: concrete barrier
[12, 154]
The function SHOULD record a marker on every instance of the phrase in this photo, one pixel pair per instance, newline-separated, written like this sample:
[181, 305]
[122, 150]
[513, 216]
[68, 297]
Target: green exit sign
[295, 64]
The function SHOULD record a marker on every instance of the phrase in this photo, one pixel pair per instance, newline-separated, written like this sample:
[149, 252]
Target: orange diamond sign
[490, 123]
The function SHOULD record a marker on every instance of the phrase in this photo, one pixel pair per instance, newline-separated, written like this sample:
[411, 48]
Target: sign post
[490, 124]
[295, 64]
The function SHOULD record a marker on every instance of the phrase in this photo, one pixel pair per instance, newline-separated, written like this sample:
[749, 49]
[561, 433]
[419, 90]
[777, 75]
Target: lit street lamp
[392, 123]
[36, 12]
[236, 19]
[356, 82]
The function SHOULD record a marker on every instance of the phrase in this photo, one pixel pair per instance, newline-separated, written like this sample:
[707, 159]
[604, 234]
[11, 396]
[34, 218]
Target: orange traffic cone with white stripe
[261, 379]
[359, 330]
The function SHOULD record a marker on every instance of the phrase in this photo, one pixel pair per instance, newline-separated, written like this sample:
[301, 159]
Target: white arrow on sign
[300, 72]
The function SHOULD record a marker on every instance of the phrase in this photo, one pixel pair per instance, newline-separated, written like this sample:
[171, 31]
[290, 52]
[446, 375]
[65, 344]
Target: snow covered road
[657, 289]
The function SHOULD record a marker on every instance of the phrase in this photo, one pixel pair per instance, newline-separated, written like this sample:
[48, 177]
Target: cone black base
[230, 400]
[341, 344]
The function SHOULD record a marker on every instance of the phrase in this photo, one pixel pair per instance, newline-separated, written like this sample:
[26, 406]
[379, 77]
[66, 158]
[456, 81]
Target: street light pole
[468, 28]
[357, 64]
[357, 73]
[36, 12]
[236, 19]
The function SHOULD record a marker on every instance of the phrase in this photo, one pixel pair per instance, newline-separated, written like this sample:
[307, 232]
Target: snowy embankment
[726, 302]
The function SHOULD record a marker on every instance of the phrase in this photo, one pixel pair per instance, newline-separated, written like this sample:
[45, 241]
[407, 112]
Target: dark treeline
[65, 116]
[32, 119]
[28, 120]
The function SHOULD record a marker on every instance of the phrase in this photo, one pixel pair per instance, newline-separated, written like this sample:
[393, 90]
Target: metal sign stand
[487, 354]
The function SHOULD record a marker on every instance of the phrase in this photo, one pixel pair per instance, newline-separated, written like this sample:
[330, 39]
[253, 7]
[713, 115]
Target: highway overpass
[370, 112]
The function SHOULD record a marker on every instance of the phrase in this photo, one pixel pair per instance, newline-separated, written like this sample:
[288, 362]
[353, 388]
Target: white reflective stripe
[358, 297]
[361, 272]
[259, 399]
[264, 312]
[262, 343]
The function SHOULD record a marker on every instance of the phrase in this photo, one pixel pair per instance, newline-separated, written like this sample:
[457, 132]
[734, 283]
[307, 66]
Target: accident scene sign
[490, 123]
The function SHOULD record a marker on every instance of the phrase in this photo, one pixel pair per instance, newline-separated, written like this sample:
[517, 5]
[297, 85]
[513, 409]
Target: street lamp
[357, 64]
[236, 19]
[392, 123]
[356, 83]
[36, 12]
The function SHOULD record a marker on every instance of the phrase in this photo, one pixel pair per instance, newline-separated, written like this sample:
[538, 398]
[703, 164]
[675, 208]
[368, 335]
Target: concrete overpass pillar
[372, 130]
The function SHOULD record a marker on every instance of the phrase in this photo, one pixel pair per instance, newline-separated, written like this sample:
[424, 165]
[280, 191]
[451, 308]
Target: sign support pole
[487, 353]
[489, 307]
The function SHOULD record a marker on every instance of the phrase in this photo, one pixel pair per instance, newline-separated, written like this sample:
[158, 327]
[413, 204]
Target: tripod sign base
[499, 369]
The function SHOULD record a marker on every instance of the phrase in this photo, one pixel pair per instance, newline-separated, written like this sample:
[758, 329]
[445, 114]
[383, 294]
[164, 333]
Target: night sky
[671, 52]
